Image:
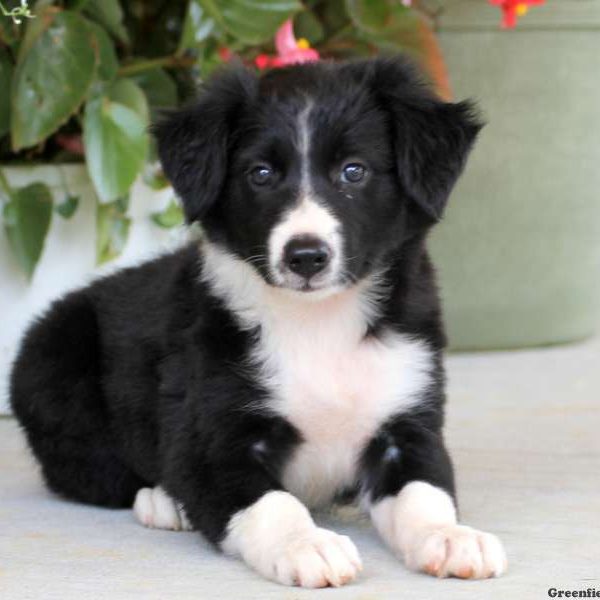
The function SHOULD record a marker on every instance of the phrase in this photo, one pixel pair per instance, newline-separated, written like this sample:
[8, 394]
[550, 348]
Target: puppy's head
[316, 173]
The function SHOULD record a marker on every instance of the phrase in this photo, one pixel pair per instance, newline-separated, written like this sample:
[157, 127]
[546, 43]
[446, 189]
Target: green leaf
[383, 21]
[109, 14]
[251, 21]
[130, 94]
[44, 16]
[52, 80]
[66, 209]
[307, 26]
[333, 15]
[171, 217]
[6, 71]
[108, 63]
[159, 87]
[197, 26]
[209, 59]
[370, 15]
[116, 140]
[112, 232]
[76, 4]
[27, 218]
[389, 27]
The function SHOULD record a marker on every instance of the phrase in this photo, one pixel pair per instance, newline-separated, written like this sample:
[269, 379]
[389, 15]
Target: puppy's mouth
[283, 278]
[321, 285]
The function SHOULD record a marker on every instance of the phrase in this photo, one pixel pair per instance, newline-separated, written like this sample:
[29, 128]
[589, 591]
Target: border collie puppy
[292, 358]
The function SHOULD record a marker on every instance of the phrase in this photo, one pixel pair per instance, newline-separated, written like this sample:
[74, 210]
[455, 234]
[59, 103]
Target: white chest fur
[336, 387]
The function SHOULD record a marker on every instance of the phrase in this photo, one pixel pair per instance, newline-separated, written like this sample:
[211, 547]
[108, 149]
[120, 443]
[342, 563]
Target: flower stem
[16, 13]
[155, 63]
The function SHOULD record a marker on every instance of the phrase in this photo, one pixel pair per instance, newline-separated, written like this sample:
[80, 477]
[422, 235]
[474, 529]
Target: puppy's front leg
[230, 489]
[411, 497]
[277, 536]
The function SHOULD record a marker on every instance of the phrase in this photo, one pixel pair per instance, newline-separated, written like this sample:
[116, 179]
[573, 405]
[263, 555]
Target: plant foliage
[80, 80]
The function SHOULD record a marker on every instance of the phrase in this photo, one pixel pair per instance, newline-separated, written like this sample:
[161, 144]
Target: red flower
[289, 50]
[225, 54]
[262, 61]
[511, 9]
[71, 143]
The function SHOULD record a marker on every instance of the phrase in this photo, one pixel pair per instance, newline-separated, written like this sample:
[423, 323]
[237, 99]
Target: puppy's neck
[255, 303]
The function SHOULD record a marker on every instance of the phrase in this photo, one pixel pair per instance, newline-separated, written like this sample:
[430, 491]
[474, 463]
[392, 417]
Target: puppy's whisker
[256, 260]
[348, 276]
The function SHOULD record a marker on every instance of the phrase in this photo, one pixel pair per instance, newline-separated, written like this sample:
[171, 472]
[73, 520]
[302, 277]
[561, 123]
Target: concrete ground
[524, 429]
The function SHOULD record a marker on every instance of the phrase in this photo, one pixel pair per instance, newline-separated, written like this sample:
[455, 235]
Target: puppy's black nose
[306, 255]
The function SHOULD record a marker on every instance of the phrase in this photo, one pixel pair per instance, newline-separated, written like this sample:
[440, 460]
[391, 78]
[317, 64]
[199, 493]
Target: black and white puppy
[294, 357]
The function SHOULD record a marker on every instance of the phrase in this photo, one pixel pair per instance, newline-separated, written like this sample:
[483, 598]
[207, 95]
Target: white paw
[314, 559]
[153, 507]
[456, 551]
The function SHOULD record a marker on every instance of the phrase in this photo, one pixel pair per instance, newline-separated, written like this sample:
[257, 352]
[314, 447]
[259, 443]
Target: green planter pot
[519, 250]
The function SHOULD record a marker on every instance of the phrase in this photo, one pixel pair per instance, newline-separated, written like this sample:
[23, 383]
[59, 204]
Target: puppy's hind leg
[153, 507]
[56, 395]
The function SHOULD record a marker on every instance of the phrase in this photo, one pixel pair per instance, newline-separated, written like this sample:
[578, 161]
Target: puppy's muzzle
[306, 256]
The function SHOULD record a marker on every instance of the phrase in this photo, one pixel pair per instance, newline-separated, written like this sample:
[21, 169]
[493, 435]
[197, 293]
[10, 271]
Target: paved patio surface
[524, 428]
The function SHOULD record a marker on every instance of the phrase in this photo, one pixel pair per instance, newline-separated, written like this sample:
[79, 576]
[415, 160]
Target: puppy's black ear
[432, 138]
[193, 142]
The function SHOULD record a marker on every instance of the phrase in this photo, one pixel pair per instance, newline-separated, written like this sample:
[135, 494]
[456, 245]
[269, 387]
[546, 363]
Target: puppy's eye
[261, 175]
[353, 173]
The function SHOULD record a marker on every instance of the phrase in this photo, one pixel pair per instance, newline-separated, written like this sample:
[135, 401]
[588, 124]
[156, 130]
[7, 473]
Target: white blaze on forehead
[308, 217]
[303, 136]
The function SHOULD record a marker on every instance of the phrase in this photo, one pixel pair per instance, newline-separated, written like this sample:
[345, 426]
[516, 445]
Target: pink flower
[289, 50]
